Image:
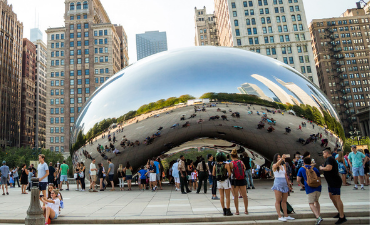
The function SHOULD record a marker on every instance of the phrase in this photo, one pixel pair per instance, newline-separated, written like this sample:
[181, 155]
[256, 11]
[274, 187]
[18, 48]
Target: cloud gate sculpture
[177, 96]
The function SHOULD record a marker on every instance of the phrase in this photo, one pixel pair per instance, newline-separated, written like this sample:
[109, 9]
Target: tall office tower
[149, 43]
[35, 34]
[205, 28]
[40, 96]
[11, 45]
[81, 56]
[28, 94]
[275, 28]
[341, 50]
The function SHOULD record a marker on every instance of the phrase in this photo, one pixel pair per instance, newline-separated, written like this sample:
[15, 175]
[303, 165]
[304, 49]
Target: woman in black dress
[82, 176]
[101, 176]
[24, 178]
[77, 171]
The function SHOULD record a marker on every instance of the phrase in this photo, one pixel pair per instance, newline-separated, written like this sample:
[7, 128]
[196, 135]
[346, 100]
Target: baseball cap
[353, 146]
[4, 162]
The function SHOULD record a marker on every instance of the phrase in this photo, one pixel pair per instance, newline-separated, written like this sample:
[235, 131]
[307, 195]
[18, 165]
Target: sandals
[236, 213]
[246, 212]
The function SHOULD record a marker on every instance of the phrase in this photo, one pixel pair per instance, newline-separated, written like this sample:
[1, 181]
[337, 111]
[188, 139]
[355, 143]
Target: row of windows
[268, 20]
[267, 11]
[100, 41]
[79, 52]
[57, 148]
[79, 43]
[72, 35]
[79, 81]
[79, 61]
[79, 100]
[56, 139]
[57, 36]
[79, 72]
[340, 22]
[56, 53]
[55, 120]
[56, 74]
[56, 130]
[101, 71]
[57, 45]
[265, 2]
[57, 91]
[101, 59]
[56, 111]
[72, 26]
[57, 62]
[56, 101]
[72, 109]
[78, 17]
[57, 82]
[101, 79]
[85, 5]
[79, 91]
[100, 32]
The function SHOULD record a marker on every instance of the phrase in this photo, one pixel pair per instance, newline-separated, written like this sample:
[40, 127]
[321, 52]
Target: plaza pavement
[170, 206]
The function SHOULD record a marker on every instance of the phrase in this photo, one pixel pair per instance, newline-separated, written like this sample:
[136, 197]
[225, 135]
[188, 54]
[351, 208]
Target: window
[71, 73]
[86, 34]
[72, 44]
[291, 61]
[234, 14]
[87, 81]
[299, 48]
[72, 6]
[79, 100]
[267, 11]
[272, 39]
[246, 13]
[248, 22]
[78, 17]
[86, 51]
[309, 69]
[86, 25]
[252, 12]
[278, 19]
[273, 51]
[303, 69]
[300, 27]
[79, 61]
[270, 29]
[71, 61]
[78, 5]
[297, 8]
[291, 8]
[79, 81]
[256, 40]
[268, 51]
[261, 11]
[79, 90]
[280, 29]
[264, 30]
[253, 21]
[281, 9]
[71, 26]
[285, 28]
[52, 45]
[285, 59]
[106, 58]
[96, 80]
[106, 70]
[72, 120]
[295, 28]
[293, 18]
[233, 5]
[85, 16]
[72, 82]
[72, 91]
[85, 5]
[105, 32]
[263, 21]
[260, 2]
[87, 72]
[79, 72]
[249, 31]
[266, 39]
[299, 17]
[87, 90]
[287, 38]
[254, 30]
[86, 43]
[301, 59]
[101, 79]
[251, 41]
[283, 19]
[281, 38]
[250, 3]
[236, 23]
[78, 43]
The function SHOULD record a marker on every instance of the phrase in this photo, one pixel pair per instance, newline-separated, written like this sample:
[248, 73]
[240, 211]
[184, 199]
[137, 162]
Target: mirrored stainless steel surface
[230, 79]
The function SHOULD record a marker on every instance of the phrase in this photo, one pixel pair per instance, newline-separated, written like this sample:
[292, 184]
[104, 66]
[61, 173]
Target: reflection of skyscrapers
[252, 89]
[301, 95]
[274, 88]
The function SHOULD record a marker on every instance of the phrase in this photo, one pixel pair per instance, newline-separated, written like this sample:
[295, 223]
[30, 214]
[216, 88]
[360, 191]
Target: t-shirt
[51, 172]
[247, 162]
[194, 175]
[55, 206]
[332, 176]
[157, 166]
[64, 169]
[302, 173]
[42, 168]
[15, 173]
[142, 174]
[92, 172]
[111, 167]
[175, 170]
[4, 171]
[356, 159]
[151, 168]
[210, 166]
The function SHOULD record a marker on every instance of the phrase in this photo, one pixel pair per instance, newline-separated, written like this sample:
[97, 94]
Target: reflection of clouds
[274, 88]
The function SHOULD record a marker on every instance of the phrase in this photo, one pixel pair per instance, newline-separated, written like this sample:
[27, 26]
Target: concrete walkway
[170, 204]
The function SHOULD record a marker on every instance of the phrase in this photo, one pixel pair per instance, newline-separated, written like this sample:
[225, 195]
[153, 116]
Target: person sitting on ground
[270, 129]
[51, 209]
[287, 130]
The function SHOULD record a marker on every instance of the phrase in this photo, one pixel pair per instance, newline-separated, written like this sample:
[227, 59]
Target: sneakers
[77, 189]
[362, 188]
[215, 198]
[253, 187]
[337, 216]
[341, 220]
[318, 220]
[282, 219]
[289, 218]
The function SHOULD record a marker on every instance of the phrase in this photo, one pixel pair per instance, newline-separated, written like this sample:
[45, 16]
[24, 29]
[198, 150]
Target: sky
[176, 17]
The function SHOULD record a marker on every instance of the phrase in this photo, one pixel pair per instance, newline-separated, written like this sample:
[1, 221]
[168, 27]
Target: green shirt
[64, 169]
[356, 159]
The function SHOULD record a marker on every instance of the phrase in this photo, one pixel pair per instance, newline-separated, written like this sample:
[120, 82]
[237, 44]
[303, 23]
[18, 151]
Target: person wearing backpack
[238, 180]
[221, 171]
[312, 184]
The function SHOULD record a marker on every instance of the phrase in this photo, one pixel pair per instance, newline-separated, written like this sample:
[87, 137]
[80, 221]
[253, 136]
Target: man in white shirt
[42, 174]
[93, 176]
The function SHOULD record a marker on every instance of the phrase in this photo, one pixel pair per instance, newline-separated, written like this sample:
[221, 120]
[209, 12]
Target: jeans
[16, 179]
[121, 182]
[249, 178]
[210, 179]
[202, 178]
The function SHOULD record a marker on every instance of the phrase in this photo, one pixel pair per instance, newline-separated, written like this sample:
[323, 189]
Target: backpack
[238, 170]
[312, 179]
[221, 172]
[289, 208]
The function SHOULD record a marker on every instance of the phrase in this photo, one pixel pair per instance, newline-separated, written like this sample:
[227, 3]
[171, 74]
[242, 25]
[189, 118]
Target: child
[143, 176]
[11, 181]
[194, 179]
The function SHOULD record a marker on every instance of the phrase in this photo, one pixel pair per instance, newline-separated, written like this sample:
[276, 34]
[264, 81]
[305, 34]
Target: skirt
[280, 184]
[238, 183]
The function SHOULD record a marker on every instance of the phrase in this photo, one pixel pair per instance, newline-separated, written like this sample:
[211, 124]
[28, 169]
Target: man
[248, 170]
[158, 173]
[16, 176]
[334, 181]
[183, 176]
[4, 170]
[356, 162]
[51, 177]
[175, 174]
[212, 179]
[111, 173]
[313, 193]
[64, 169]
[153, 175]
[42, 174]
[93, 176]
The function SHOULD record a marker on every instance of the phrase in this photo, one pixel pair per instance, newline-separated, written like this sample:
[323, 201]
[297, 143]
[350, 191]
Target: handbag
[75, 175]
[82, 174]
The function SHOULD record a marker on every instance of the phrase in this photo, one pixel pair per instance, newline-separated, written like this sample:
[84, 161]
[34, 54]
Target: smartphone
[287, 155]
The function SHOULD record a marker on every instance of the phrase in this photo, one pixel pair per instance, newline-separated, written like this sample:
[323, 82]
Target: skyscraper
[11, 46]
[274, 28]
[253, 89]
[36, 34]
[205, 28]
[341, 50]
[82, 56]
[150, 43]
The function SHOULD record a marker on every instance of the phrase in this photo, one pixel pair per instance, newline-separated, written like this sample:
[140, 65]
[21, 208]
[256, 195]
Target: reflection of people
[270, 129]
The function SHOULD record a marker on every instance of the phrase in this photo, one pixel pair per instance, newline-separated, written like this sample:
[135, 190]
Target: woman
[101, 176]
[202, 169]
[82, 176]
[51, 187]
[367, 162]
[77, 171]
[222, 172]
[51, 209]
[240, 185]
[121, 177]
[24, 178]
[190, 169]
[57, 175]
[342, 168]
[280, 186]
[128, 171]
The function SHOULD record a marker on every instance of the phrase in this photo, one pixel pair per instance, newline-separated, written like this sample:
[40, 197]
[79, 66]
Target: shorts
[358, 171]
[128, 177]
[313, 197]
[194, 180]
[93, 178]
[238, 183]
[4, 180]
[223, 184]
[177, 180]
[110, 177]
[42, 186]
[153, 177]
[334, 191]
[56, 216]
[63, 178]
[143, 181]
[158, 176]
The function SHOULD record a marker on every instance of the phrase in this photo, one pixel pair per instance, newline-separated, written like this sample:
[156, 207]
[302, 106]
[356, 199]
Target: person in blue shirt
[158, 174]
[356, 161]
[313, 193]
[143, 174]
